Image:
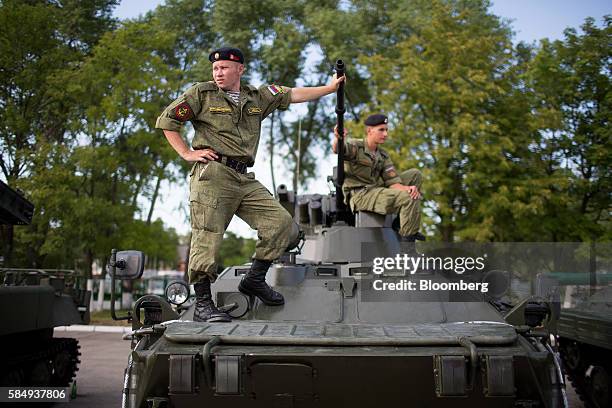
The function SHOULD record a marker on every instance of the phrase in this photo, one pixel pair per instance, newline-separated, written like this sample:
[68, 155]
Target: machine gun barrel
[340, 109]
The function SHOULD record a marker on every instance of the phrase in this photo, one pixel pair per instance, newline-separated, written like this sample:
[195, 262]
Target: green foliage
[513, 140]
[571, 82]
[159, 243]
[79, 133]
[441, 88]
[235, 250]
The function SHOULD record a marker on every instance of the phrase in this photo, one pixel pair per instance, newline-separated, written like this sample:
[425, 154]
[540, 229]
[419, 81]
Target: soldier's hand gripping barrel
[340, 208]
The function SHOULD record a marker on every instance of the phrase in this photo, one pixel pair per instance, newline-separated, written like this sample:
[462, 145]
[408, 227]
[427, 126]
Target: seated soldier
[372, 184]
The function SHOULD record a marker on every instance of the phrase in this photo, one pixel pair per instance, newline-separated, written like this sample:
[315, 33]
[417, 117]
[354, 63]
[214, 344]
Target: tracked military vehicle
[32, 303]
[337, 341]
[585, 335]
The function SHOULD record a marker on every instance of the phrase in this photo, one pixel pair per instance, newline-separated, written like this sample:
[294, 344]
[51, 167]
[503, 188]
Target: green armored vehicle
[32, 303]
[585, 338]
[349, 333]
[334, 342]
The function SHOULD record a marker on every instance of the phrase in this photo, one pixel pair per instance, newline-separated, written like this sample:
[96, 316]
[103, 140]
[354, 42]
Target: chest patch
[254, 110]
[219, 109]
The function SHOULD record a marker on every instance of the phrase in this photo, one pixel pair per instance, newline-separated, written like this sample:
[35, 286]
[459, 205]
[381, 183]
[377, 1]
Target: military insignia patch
[391, 171]
[219, 109]
[183, 112]
[275, 89]
[254, 110]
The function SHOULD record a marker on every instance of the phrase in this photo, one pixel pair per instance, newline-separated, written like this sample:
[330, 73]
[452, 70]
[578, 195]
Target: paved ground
[103, 359]
[572, 397]
[100, 377]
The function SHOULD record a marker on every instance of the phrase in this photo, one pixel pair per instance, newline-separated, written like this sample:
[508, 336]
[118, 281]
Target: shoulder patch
[275, 89]
[391, 171]
[183, 112]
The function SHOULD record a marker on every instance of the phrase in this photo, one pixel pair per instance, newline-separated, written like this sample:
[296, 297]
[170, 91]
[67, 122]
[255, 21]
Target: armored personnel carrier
[585, 338]
[32, 303]
[335, 342]
[338, 340]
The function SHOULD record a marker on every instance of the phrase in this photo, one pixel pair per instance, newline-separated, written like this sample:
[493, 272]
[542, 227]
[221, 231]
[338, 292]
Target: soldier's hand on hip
[204, 155]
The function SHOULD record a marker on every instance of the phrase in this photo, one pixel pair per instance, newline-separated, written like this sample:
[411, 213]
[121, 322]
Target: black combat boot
[417, 236]
[205, 309]
[254, 284]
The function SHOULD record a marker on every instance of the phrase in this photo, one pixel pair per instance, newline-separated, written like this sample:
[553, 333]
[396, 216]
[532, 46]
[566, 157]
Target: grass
[103, 318]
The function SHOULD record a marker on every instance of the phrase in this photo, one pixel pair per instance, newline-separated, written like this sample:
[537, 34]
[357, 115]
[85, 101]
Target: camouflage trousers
[216, 193]
[383, 200]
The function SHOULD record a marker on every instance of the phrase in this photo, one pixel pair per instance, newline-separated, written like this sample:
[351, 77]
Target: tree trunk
[155, 195]
[448, 233]
[88, 263]
[137, 191]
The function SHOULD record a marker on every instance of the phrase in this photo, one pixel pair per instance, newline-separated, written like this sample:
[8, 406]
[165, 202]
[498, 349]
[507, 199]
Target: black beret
[226, 54]
[375, 120]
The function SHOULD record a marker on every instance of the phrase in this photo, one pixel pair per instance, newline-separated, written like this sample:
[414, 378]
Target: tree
[441, 88]
[235, 250]
[40, 41]
[570, 80]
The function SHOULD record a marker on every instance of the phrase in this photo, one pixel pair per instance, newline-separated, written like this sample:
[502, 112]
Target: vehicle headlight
[177, 292]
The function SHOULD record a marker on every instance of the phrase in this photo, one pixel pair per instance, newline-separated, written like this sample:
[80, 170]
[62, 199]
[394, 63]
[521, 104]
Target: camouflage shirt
[364, 168]
[227, 128]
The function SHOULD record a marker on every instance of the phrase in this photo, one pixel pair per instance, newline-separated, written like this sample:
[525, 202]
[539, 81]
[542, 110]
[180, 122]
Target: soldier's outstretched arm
[178, 144]
[310, 93]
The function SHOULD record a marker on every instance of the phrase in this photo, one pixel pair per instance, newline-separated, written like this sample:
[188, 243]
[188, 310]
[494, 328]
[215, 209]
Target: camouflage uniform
[217, 192]
[367, 178]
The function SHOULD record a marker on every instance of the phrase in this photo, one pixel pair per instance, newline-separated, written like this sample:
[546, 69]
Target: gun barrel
[282, 193]
[340, 109]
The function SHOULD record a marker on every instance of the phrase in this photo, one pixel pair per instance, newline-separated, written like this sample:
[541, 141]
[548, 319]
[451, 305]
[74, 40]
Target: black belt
[239, 166]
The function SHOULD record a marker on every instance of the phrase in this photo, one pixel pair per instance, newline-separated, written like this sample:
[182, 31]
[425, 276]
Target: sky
[531, 20]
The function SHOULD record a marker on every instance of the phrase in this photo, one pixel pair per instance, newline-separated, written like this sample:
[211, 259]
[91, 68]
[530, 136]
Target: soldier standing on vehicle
[372, 184]
[226, 116]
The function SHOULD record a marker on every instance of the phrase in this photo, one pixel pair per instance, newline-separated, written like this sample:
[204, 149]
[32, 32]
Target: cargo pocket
[203, 210]
[204, 171]
[193, 168]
